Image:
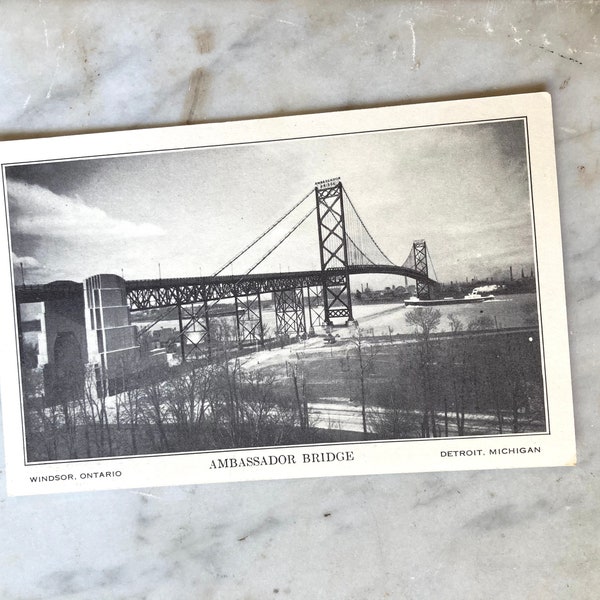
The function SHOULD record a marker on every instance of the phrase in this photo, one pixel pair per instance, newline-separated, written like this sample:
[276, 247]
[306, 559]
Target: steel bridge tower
[420, 258]
[333, 250]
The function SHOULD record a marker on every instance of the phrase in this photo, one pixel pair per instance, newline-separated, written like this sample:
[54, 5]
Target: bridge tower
[333, 250]
[420, 258]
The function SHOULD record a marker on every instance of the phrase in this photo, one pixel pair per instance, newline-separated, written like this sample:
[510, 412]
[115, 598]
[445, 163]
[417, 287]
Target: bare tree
[481, 323]
[390, 333]
[153, 395]
[41, 422]
[187, 404]
[394, 418]
[365, 353]
[300, 394]
[455, 323]
[425, 321]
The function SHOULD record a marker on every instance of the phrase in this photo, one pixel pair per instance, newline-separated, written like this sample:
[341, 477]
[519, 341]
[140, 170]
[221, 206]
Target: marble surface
[68, 67]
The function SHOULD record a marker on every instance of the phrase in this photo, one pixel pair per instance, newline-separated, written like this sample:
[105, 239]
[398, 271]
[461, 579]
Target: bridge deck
[152, 293]
[149, 293]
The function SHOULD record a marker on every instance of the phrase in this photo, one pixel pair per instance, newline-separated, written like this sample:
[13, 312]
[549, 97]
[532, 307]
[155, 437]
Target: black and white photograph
[328, 291]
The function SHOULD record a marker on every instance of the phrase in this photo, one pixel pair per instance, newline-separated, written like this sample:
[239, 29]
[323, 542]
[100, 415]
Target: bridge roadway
[154, 293]
[143, 294]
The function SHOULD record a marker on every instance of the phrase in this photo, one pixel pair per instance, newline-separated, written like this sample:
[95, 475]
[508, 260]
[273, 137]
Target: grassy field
[474, 383]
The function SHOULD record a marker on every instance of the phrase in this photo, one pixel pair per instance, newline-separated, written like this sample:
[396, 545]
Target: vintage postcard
[368, 291]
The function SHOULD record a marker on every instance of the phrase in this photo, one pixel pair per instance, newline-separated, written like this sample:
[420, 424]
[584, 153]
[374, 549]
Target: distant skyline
[463, 188]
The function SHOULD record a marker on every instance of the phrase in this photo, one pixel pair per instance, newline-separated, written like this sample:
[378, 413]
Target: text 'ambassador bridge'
[99, 310]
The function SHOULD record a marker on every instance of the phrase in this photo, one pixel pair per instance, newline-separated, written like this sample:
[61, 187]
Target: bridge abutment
[67, 349]
[112, 343]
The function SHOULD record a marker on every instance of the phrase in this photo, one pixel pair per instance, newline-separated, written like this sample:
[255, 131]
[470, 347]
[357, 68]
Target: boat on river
[468, 299]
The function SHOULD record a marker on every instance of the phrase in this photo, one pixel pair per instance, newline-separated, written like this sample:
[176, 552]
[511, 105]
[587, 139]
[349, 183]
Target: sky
[462, 188]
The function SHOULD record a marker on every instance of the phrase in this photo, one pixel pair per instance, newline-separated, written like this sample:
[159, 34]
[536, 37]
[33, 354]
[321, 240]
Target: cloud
[28, 262]
[37, 211]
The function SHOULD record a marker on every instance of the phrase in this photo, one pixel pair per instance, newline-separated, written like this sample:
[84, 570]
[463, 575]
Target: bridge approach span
[155, 293]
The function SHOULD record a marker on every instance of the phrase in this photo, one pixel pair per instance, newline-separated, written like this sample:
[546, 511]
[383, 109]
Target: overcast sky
[464, 189]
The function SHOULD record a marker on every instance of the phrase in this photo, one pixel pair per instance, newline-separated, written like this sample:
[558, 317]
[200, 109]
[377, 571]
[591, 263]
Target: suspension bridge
[302, 300]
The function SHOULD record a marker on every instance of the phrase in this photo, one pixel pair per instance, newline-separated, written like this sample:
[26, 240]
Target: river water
[514, 310]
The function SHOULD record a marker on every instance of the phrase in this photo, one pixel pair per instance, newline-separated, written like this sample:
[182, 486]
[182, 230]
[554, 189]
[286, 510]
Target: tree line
[205, 404]
[489, 383]
[486, 383]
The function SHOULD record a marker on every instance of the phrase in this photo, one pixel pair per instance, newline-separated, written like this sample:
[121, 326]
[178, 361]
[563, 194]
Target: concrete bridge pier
[112, 343]
[67, 349]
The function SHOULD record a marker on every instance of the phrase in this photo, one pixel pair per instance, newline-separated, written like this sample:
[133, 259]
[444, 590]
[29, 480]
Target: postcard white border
[556, 447]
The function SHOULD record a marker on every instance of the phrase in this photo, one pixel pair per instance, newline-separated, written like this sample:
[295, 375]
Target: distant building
[389, 294]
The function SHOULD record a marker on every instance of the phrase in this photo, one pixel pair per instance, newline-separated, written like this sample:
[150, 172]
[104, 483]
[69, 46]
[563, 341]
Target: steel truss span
[157, 293]
[154, 293]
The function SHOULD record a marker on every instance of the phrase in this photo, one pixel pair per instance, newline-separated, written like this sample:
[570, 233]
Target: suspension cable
[356, 247]
[409, 263]
[365, 227]
[431, 263]
[156, 321]
[285, 237]
[262, 235]
[208, 308]
[253, 243]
